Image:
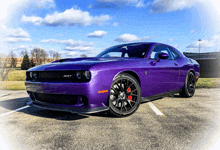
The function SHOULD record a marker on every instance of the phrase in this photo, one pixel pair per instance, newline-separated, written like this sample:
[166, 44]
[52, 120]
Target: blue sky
[89, 26]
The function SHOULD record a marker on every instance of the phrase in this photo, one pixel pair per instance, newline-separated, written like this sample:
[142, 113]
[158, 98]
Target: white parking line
[14, 111]
[155, 109]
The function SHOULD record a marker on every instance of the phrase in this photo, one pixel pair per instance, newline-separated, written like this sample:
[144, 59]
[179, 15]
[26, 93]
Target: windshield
[131, 50]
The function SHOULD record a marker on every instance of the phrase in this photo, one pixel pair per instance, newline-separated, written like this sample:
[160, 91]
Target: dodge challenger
[117, 80]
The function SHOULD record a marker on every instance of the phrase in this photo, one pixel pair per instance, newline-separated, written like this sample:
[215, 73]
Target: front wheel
[124, 96]
[189, 86]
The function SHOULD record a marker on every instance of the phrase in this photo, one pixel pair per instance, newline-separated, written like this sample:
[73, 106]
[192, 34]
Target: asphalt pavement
[169, 123]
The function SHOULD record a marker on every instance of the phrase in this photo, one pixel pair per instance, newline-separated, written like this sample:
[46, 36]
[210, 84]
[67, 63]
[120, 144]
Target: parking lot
[168, 123]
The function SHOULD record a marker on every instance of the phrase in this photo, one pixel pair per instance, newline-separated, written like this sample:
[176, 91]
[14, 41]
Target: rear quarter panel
[185, 66]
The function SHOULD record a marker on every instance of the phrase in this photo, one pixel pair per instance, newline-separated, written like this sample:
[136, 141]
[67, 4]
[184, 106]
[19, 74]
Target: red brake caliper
[129, 90]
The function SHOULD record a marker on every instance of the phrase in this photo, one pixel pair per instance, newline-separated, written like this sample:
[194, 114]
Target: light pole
[199, 47]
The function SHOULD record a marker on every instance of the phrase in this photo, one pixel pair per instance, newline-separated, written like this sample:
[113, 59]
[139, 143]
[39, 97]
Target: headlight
[31, 74]
[35, 75]
[82, 76]
[79, 75]
[87, 75]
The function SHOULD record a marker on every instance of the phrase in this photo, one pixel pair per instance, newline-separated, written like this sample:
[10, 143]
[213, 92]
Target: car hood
[75, 64]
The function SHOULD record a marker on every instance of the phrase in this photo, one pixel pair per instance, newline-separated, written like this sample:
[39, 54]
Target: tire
[189, 86]
[124, 95]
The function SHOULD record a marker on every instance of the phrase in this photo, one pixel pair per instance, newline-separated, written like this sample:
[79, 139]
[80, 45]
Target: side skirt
[145, 99]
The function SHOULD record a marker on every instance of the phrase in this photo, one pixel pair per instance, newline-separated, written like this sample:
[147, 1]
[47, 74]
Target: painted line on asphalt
[155, 109]
[14, 111]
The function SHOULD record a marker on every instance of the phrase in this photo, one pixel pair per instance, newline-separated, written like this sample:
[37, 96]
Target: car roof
[136, 43]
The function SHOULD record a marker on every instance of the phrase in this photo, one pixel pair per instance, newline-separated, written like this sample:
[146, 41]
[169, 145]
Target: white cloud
[170, 40]
[131, 38]
[75, 54]
[37, 3]
[121, 3]
[117, 1]
[19, 33]
[212, 42]
[9, 32]
[72, 45]
[98, 34]
[203, 43]
[8, 7]
[3, 27]
[44, 3]
[69, 42]
[162, 6]
[33, 19]
[115, 24]
[26, 47]
[17, 40]
[79, 48]
[69, 53]
[127, 38]
[99, 20]
[141, 4]
[72, 17]
[14, 35]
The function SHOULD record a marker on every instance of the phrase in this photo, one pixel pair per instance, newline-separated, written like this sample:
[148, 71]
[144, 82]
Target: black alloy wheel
[124, 96]
[189, 86]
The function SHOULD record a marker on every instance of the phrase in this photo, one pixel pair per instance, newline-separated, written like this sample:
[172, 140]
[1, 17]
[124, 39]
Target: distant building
[209, 63]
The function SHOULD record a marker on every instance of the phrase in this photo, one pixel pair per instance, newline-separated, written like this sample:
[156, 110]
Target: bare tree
[23, 52]
[39, 54]
[44, 55]
[83, 55]
[4, 68]
[51, 53]
[56, 56]
[13, 62]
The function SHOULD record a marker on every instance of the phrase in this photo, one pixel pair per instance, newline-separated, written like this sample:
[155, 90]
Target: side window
[160, 49]
[174, 54]
[126, 55]
[152, 55]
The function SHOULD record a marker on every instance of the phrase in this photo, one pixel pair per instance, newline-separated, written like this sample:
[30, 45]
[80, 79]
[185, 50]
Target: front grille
[57, 98]
[45, 76]
[51, 75]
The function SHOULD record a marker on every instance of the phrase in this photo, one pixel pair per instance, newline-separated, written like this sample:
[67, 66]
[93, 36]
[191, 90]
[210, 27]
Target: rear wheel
[189, 86]
[124, 96]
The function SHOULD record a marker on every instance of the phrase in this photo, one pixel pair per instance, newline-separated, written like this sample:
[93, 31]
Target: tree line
[38, 56]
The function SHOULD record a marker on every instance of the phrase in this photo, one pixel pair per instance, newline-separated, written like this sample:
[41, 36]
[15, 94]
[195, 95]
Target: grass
[16, 78]
[208, 83]
[12, 85]
[17, 68]
[17, 75]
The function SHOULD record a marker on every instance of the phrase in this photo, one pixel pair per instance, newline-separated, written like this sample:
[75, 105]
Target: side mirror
[163, 56]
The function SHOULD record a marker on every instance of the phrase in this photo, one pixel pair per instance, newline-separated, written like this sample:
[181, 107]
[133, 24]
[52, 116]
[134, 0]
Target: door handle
[175, 64]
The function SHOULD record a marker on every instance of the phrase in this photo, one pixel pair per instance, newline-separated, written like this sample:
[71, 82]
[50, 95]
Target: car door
[164, 74]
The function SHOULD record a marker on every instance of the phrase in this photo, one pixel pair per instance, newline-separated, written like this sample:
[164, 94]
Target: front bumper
[73, 109]
[197, 76]
[95, 101]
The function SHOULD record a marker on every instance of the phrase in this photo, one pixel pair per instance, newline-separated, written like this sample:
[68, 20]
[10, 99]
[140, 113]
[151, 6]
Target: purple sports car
[117, 80]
